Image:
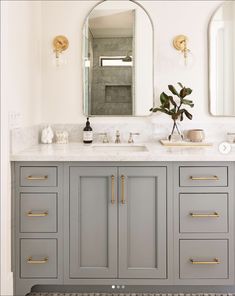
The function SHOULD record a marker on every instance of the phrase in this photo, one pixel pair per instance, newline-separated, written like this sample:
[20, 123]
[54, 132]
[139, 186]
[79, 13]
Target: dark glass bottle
[87, 133]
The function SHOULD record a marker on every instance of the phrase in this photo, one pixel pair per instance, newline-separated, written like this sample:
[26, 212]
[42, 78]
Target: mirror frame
[209, 63]
[153, 57]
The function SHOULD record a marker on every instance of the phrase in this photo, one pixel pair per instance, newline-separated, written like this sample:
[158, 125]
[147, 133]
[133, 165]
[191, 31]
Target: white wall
[20, 94]
[63, 87]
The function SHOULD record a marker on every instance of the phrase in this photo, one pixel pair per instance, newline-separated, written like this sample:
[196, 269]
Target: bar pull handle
[211, 178]
[202, 215]
[214, 261]
[35, 214]
[41, 261]
[123, 190]
[113, 190]
[37, 178]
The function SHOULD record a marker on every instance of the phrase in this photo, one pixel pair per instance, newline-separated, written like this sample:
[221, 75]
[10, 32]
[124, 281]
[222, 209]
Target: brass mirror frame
[153, 58]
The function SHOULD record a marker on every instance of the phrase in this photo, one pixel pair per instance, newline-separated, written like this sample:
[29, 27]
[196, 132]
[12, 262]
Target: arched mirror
[118, 60]
[222, 60]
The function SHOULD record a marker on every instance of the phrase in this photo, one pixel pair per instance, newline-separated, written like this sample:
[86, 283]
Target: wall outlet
[14, 119]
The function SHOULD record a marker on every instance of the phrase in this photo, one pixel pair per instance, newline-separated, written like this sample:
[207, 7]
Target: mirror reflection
[118, 60]
[222, 60]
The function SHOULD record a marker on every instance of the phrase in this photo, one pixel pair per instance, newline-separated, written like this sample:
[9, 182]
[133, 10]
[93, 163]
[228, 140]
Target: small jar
[231, 137]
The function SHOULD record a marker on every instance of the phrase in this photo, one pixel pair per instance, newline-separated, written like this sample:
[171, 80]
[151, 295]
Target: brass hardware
[113, 190]
[212, 178]
[37, 178]
[180, 43]
[60, 44]
[213, 215]
[195, 262]
[123, 189]
[31, 214]
[42, 261]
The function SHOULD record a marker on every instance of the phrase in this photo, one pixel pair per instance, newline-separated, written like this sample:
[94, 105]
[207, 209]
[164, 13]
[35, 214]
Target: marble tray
[185, 143]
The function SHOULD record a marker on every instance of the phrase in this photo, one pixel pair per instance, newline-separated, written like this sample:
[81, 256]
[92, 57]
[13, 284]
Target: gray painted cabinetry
[122, 223]
[96, 206]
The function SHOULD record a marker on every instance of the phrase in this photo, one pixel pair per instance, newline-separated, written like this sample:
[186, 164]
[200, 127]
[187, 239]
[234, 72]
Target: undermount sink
[119, 147]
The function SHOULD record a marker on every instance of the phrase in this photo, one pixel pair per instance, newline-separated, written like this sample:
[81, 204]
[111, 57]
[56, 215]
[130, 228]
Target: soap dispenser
[87, 133]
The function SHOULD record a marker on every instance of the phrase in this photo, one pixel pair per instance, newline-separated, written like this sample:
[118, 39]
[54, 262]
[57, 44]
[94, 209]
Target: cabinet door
[93, 222]
[142, 222]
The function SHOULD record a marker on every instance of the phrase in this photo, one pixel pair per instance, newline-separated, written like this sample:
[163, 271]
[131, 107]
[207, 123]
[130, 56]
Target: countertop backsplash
[150, 131]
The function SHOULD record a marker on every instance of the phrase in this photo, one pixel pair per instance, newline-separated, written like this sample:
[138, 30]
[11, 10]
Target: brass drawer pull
[37, 178]
[43, 214]
[212, 178]
[123, 189]
[113, 189]
[195, 262]
[42, 261]
[201, 215]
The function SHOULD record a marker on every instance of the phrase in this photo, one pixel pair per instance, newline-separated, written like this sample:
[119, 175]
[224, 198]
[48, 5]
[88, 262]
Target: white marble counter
[156, 152]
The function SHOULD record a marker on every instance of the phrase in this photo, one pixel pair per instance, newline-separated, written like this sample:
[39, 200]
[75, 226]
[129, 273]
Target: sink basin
[119, 148]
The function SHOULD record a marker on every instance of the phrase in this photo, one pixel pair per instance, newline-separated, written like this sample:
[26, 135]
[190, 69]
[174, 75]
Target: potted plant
[174, 106]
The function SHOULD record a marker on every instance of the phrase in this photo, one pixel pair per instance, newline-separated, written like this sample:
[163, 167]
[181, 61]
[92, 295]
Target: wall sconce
[180, 43]
[60, 44]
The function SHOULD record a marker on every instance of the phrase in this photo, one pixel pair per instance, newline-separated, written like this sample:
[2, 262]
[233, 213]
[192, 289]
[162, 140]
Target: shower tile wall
[107, 81]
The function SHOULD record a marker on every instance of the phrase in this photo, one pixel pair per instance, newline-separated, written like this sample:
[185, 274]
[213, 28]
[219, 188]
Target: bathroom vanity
[79, 221]
[132, 215]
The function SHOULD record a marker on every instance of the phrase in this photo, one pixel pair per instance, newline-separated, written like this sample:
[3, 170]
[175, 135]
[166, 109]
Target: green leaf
[172, 101]
[161, 110]
[180, 84]
[187, 102]
[164, 98]
[189, 115]
[151, 109]
[173, 90]
[185, 92]
[182, 116]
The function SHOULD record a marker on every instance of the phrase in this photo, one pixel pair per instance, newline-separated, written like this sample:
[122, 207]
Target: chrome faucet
[118, 140]
[131, 140]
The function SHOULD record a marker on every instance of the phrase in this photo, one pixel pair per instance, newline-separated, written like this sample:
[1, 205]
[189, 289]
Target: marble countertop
[155, 152]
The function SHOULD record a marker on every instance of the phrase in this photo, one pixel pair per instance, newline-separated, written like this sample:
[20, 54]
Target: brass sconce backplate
[179, 42]
[60, 43]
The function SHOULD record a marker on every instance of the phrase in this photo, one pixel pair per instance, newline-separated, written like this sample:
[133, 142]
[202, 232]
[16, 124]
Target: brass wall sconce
[180, 43]
[60, 44]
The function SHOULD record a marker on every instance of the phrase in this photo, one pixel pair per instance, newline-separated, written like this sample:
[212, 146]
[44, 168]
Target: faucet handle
[117, 140]
[131, 140]
[105, 138]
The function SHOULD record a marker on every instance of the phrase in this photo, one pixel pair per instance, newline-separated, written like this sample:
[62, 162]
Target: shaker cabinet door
[93, 222]
[142, 222]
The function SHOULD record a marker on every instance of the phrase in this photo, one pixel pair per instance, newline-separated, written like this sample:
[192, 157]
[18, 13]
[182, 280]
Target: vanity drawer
[38, 212]
[38, 258]
[204, 212]
[204, 259]
[196, 176]
[38, 176]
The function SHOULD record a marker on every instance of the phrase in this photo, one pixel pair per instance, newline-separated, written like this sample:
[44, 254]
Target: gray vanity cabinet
[93, 222]
[95, 202]
[142, 222]
[123, 224]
